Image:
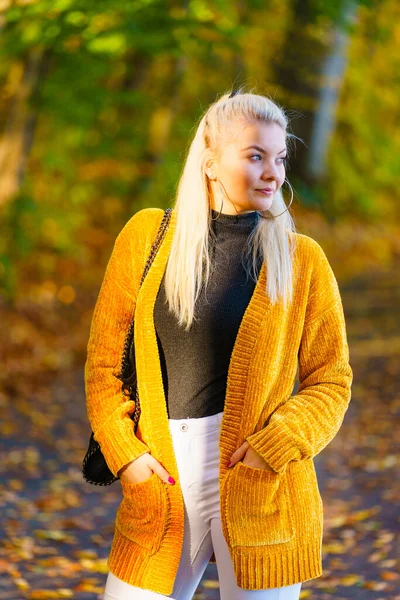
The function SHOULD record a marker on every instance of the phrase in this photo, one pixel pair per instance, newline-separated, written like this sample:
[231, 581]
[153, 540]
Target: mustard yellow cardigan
[272, 519]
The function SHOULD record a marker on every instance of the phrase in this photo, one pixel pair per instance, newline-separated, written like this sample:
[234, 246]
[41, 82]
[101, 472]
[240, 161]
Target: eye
[282, 158]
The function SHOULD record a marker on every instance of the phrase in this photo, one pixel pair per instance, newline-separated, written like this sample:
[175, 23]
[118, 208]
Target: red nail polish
[229, 462]
[170, 480]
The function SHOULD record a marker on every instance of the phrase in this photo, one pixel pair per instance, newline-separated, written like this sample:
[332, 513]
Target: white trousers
[196, 445]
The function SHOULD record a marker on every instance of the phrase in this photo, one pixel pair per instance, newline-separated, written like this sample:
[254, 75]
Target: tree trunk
[300, 76]
[18, 134]
[324, 122]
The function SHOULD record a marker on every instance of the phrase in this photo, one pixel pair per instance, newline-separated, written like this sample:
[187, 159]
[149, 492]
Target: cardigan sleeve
[305, 423]
[108, 409]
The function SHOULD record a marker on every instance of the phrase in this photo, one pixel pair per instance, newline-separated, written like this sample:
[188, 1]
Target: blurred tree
[309, 72]
[99, 101]
[364, 155]
[332, 74]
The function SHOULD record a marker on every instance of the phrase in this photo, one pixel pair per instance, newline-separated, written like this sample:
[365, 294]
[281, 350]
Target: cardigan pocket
[142, 514]
[257, 508]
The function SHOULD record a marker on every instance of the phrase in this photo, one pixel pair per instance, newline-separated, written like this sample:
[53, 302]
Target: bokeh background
[98, 101]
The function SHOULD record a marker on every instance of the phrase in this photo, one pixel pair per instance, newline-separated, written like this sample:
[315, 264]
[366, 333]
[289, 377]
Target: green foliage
[364, 156]
[116, 90]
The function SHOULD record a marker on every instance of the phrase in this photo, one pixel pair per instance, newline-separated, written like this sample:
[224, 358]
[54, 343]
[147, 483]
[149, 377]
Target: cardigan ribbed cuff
[118, 441]
[275, 445]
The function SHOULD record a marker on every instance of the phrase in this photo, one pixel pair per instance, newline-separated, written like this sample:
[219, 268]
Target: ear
[209, 166]
[209, 163]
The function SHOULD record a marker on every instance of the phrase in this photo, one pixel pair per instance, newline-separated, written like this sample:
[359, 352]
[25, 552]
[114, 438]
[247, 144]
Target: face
[251, 161]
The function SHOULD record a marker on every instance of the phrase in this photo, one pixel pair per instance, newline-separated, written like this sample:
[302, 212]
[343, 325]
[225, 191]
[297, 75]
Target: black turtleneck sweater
[195, 363]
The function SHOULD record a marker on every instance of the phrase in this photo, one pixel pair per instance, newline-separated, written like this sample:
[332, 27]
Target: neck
[246, 220]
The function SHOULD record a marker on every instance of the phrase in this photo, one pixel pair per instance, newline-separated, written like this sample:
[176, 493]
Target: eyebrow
[260, 149]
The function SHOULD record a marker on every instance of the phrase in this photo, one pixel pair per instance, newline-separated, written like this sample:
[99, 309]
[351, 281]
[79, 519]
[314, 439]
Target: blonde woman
[221, 467]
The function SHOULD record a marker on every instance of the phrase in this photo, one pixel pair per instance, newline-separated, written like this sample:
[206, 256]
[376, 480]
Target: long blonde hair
[189, 264]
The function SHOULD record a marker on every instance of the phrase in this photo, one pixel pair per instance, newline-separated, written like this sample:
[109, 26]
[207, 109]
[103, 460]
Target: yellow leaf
[51, 594]
[334, 548]
[350, 579]
[210, 584]
[22, 583]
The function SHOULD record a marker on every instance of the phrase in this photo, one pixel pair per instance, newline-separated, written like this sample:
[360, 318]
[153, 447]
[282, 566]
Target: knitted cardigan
[272, 519]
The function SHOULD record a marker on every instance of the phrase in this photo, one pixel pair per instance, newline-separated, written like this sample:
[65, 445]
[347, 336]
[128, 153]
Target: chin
[263, 206]
[260, 203]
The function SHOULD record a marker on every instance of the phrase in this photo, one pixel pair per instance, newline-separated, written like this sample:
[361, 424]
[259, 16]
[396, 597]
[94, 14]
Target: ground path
[56, 529]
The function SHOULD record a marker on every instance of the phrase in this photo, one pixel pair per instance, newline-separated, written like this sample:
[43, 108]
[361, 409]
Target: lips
[266, 191]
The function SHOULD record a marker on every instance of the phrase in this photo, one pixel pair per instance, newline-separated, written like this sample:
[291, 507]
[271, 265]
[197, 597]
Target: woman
[221, 467]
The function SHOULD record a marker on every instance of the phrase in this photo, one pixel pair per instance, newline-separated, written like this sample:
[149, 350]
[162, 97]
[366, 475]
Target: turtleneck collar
[240, 221]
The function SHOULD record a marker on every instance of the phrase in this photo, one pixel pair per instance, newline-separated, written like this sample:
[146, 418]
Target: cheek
[240, 175]
[250, 173]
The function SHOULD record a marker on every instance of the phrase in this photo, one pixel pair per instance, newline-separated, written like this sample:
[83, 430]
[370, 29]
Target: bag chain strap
[128, 339]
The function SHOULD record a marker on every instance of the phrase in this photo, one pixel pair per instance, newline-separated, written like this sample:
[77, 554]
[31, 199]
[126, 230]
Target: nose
[271, 172]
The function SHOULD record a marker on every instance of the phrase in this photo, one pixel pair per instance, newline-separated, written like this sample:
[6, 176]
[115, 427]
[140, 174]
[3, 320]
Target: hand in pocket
[249, 457]
[142, 468]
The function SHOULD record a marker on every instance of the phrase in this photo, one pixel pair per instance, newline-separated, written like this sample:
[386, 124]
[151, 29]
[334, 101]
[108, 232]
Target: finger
[239, 453]
[161, 472]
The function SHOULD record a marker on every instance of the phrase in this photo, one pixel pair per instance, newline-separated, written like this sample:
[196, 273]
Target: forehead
[270, 136]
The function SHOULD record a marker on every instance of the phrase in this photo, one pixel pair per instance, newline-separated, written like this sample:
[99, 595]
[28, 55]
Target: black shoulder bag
[94, 466]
